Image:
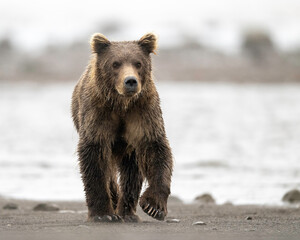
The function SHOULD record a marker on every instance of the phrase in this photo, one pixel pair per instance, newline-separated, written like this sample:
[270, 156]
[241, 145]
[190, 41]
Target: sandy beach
[219, 222]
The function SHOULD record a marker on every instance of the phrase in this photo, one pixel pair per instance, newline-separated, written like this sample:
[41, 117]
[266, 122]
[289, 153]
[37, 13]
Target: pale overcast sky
[36, 23]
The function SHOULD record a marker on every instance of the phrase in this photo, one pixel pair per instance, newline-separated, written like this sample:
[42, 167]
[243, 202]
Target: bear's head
[124, 67]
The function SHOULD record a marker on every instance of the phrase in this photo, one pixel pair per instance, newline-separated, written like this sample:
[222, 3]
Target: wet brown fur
[120, 133]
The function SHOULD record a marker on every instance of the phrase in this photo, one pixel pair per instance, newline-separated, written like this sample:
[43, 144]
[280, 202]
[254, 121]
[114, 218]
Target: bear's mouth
[130, 93]
[127, 92]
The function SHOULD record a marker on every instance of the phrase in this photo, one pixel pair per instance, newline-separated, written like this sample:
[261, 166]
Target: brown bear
[122, 140]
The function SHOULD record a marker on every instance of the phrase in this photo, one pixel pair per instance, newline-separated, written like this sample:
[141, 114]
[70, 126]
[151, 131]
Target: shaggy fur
[121, 132]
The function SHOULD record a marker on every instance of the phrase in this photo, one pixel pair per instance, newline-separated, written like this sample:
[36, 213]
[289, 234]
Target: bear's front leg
[94, 172]
[158, 164]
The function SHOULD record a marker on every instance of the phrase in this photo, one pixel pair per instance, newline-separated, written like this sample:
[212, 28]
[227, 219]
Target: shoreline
[225, 221]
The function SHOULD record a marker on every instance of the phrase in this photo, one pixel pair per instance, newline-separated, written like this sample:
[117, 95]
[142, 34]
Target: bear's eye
[116, 65]
[138, 65]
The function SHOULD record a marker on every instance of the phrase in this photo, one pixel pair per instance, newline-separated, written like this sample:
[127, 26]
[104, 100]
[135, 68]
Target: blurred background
[228, 74]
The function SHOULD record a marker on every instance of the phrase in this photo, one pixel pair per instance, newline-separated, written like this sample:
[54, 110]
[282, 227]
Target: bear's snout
[131, 84]
[128, 82]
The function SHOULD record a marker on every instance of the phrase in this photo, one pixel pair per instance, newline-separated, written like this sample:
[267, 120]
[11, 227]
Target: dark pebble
[46, 207]
[228, 204]
[249, 218]
[10, 206]
[292, 196]
[205, 199]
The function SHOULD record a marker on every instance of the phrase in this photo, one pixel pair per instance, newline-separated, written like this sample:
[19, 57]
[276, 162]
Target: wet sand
[221, 222]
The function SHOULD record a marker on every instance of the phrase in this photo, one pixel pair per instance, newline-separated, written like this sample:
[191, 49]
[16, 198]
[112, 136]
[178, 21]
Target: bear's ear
[148, 42]
[99, 42]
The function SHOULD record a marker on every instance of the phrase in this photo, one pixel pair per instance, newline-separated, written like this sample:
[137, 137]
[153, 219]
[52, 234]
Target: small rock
[174, 199]
[10, 206]
[205, 199]
[248, 218]
[228, 204]
[199, 223]
[214, 228]
[173, 220]
[292, 196]
[46, 207]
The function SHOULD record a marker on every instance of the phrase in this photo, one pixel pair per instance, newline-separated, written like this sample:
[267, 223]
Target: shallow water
[238, 142]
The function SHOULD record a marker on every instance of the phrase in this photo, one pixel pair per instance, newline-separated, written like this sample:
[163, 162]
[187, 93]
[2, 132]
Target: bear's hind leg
[131, 181]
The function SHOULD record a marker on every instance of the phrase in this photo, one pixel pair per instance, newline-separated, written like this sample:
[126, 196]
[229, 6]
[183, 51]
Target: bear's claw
[150, 210]
[153, 212]
[108, 218]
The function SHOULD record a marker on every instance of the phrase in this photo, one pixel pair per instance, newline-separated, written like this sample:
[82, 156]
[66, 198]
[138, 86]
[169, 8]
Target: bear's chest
[131, 128]
[134, 132]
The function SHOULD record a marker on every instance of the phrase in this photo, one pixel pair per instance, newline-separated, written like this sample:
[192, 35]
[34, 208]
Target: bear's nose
[130, 83]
